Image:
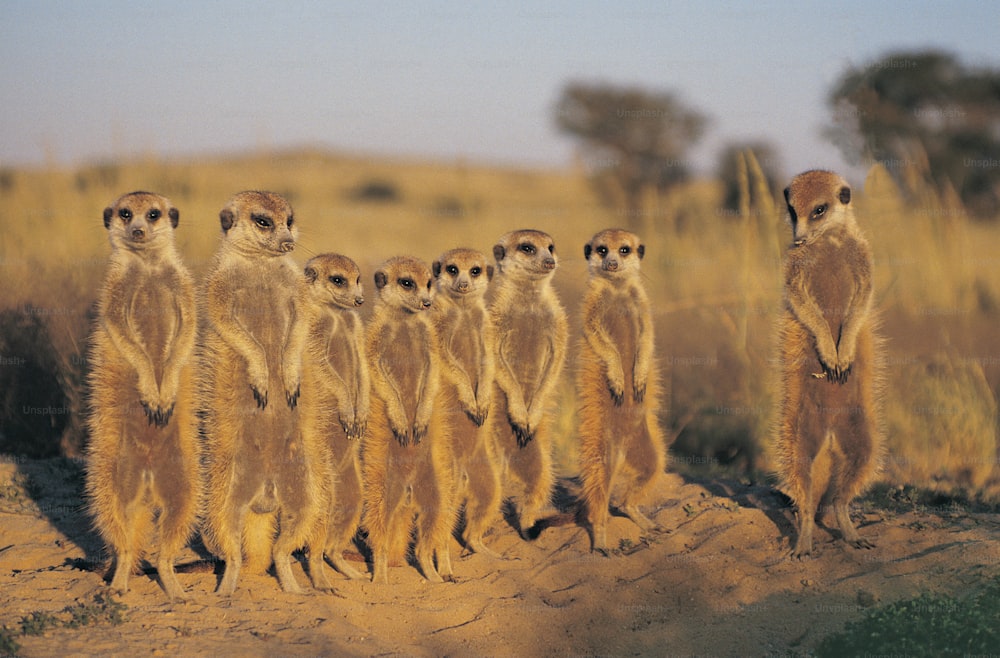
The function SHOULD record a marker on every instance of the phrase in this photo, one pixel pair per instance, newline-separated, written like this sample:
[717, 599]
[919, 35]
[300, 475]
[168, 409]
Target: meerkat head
[405, 283]
[141, 220]
[259, 223]
[527, 253]
[817, 200]
[334, 280]
[614, 252]
[461, 273]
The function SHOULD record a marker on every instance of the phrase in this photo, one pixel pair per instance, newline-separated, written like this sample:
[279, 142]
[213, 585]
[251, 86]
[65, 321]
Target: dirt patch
[718, 583]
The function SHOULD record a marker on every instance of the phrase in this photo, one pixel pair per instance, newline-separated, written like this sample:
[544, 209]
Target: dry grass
[713, 274]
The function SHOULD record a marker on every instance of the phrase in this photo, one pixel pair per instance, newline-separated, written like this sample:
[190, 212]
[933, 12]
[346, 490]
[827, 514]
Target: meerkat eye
[527, 248]
[452, 270]
[602, 251]
[291, 220]
[820, 209]
[262, 221]
[125, 214]
[625, 251]
[552, 249]
[430, 282]
[338, 281]
[358, 282]
[406, 283]
[153, 215]
[475, 271]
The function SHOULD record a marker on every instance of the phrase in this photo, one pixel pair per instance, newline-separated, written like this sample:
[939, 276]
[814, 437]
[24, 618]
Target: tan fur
[531, 333]
[828, 443]
[143, 455]
[621, 442]
[327, 354]
[262, 478]
[407, 456]
[465, 335]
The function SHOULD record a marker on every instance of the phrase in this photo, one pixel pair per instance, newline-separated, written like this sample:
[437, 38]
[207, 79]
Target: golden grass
[714, 276]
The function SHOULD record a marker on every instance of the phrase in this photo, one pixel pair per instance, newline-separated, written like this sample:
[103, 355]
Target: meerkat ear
[641, 251]
[227, 218]
[499, 252]
[845, 195]
[380, 280]
[436, 267]
[175, 217]
[586, 251]
[311, 274]
[107, 217]
[489, 272]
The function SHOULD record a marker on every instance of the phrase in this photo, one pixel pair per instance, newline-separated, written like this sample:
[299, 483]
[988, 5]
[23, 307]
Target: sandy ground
[718, 583]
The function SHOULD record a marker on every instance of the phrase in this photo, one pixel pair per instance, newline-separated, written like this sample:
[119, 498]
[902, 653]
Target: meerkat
[465, 335]
[326, 354]
[406, 456]
[531, 334]
[829, 439]
[617, 383]
[143, 455]
[261, 473]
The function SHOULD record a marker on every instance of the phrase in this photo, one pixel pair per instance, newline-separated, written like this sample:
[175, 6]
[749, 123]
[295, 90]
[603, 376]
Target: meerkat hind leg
[124, 562]
[339, 562]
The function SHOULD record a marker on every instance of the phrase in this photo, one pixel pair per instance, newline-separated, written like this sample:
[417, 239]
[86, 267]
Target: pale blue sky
[91, 80]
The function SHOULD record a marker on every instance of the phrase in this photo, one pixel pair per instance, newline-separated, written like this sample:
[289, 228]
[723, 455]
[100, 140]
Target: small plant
[9, 645]
[38, 622]
[690, 509]
[104, 608]
[929, 625]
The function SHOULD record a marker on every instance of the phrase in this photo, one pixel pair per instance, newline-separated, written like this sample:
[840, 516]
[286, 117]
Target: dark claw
[418, 434]
[639, 394]
[261, 398]
[478, 419]
[293, 399]
[402, 438]
[617, 396]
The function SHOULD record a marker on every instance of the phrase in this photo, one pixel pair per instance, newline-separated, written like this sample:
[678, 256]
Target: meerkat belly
[621, 322]
[154, 319]
[527, 348]
[342, 355]
[466, 346]
[406, 362]
[832, 282]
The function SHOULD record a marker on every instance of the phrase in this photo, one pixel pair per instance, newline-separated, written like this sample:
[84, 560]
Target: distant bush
[376, 190]
[33, 408]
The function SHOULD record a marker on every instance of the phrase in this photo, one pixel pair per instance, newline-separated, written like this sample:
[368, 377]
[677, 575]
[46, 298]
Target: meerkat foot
[426, 561]
[227, 586]
[342, 566]
[169, 582]
[283, 569]
[380, 570]
[119, 582]
[476, 545]
[644, 522]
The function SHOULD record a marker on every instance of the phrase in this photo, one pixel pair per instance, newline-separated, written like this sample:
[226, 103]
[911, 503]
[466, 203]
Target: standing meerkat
[617, 385]
[261, 475]
[531, 333]
[327, 354]
[407, 457]
[465, 335]
[829, 439]
[143, 455]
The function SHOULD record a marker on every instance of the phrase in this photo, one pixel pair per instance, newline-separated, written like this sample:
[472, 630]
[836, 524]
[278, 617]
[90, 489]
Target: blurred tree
[926, 111]
[636, 138]
[727, 170]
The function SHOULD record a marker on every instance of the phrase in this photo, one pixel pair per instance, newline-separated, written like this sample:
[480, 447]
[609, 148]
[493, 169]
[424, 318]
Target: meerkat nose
[550, 263]
[138, 234]
[358, 301]
[611, 266]
[287, 245]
